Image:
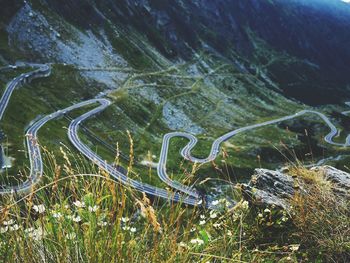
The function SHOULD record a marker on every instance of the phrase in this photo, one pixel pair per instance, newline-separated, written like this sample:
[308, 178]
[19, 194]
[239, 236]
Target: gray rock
[340, 180]
[269, 187]
[176, 119]
[275, 188]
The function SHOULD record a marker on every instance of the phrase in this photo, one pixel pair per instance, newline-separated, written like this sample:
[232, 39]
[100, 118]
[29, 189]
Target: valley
[188, 193]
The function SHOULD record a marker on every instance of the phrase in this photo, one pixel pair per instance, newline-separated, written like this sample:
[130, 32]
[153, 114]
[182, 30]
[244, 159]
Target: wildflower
[102, 223]
[215, 202]
[216, 225]
[260, 215]
[202, 216]
[133, 230]
[126, 228]
[37, 234]
[213, 215]
[57, 215]
[39, 208]
[124, 219]
[28, 230]
[202, 222]
[229, 233]
[197, 241]
[193, 229]
[245, 205]
[76, 219]
[93, 208]
[9, 222]
[15, 227]
[79, 204]
[200, 202]
[183, 244]
[267, 210]
[3, 229]
[294, 247]
[71, 236]
[285, 219]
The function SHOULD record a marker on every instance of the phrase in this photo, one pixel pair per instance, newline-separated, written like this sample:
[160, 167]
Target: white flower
[193, 229]
[37, 234]
[79, 204]
[71, 236]
[267, 210]
[202, 216]
[260, 215]
[245, 205]
[57, 215]
[133, 230]
[9, 222]
[76, 219]
[183, 244]
[28, 230]
[124, 219]
[215, 202]
[213, 215]
[39, 208]
[284, 219]
[197, 241]
[202, 222]
[294, 247]
[14, 227]
[3, 229]
[93, 208]
[229, 233]
[126, 228]
[216, 225]
[102, 223]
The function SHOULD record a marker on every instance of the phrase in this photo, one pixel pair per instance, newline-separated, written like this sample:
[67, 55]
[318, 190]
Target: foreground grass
[84, 216]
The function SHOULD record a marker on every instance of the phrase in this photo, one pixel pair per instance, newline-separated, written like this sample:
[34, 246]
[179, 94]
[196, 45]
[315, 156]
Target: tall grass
[80, 214]
[322, 218]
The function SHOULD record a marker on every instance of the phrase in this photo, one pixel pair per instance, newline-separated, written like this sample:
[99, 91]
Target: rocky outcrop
[274, 188]
[340, 180]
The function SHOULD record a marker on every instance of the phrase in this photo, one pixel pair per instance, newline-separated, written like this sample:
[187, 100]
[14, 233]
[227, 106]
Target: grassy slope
[117, 224]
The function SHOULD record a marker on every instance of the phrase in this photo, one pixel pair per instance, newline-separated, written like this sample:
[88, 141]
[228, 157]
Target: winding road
[184, 194]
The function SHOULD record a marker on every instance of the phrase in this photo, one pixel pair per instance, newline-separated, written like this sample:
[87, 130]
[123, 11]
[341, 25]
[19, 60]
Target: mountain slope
[316, 32]
[204, 67]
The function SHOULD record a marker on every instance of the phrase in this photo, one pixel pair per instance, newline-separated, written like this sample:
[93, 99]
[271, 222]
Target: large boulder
[275, 188]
